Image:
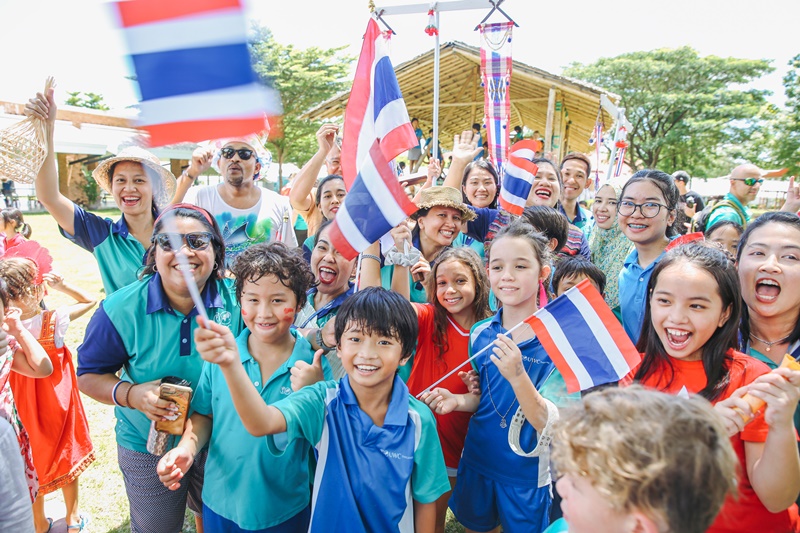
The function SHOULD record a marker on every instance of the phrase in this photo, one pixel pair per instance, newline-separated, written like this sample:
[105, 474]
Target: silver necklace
[770, 344]
[503, 423]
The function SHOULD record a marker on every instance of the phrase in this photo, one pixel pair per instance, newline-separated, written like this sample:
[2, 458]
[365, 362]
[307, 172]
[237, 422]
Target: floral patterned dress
[8, 410]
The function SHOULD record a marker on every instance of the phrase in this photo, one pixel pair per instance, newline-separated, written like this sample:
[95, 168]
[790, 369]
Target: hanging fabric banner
[496, 81]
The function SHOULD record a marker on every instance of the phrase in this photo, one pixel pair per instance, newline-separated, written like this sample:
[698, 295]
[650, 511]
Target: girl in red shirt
[688, 344]
[458, 296]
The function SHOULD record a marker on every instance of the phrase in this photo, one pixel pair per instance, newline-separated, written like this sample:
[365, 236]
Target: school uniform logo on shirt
[286, 391]
[396, 455]
[223, 318]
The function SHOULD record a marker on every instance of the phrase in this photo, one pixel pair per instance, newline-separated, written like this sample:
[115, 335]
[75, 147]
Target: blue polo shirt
[136, 330]
[119, 255]
[486, 448]
[264, 490]
[367, 476]
[633, 280]
[582, 216]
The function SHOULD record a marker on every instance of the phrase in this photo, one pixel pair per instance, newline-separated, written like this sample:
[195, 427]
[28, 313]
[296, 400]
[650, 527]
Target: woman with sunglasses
[247, 214]
[144, 332]
[141, 187]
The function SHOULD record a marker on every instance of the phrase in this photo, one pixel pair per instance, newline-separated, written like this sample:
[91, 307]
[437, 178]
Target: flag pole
[358, 272]
[482, 350]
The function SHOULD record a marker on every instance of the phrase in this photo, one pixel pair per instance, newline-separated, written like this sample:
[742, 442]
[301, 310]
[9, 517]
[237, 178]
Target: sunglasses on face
[244, 153]
[750, 181]
[196, 240]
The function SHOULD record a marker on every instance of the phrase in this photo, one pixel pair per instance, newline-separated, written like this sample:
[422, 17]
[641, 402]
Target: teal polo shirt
[263, 490]
[729, 213]
[119, 255]
[135, 330]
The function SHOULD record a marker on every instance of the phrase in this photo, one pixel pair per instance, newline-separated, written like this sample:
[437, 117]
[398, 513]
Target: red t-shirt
[745, 513]
[428, 367]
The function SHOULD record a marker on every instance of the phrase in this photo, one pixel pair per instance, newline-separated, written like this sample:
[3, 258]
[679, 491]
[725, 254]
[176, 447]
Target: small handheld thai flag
[376, 130]
[193, 68]
[584, 339]
[518, 177]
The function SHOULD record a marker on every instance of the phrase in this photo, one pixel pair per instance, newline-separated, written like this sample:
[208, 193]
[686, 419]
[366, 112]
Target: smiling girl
[689, 347]
[609, 245]
[480, 184]
[646, 214]
[496, 485]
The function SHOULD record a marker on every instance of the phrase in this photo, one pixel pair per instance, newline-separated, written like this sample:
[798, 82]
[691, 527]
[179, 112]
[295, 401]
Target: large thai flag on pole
[584, 339]
[376, 130]
[193, 68]
[518, 177]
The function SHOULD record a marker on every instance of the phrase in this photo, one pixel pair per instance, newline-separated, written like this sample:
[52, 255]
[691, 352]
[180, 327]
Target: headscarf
[609, 249]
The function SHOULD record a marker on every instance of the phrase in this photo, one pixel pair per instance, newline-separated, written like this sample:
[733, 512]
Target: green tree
[787, 125]
[88, 100]
[685, 110]
[304, 78]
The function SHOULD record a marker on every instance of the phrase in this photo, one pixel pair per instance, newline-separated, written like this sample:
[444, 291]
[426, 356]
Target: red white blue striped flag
[584, 339]
[518, 177]
[376, 130]
[193, 69]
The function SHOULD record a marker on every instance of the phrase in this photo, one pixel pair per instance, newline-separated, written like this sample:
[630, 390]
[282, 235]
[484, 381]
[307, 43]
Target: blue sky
[77, 43]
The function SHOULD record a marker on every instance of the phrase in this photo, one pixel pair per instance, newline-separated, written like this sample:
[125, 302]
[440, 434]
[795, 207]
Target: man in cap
[246, 213]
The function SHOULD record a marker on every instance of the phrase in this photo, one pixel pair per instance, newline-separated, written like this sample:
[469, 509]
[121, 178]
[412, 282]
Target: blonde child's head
[646, 456]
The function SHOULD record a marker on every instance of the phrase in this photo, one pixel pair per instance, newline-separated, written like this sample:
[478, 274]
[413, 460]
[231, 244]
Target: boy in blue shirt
[265, 493]
[380, 465]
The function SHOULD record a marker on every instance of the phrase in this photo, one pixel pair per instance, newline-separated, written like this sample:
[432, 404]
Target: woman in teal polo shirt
[145, 332]
[140, 187]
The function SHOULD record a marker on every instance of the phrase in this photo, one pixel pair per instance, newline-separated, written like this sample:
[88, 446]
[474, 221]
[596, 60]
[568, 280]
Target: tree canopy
[787, 126]
[304, 79]
[88, 100]
[685, 110]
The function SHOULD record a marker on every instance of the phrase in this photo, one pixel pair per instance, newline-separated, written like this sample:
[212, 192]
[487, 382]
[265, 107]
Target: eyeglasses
[196, 240]
[244, 153]
[647, 209]
[750, 181]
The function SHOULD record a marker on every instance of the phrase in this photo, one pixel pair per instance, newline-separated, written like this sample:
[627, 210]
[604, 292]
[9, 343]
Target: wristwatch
[321, 343]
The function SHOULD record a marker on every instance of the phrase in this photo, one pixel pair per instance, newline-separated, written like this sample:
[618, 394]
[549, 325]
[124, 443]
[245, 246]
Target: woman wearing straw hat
[438, 226]
[141, 187]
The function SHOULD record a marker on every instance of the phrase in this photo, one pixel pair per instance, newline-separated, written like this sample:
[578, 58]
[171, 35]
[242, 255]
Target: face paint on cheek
[244, 313]
[288, 313]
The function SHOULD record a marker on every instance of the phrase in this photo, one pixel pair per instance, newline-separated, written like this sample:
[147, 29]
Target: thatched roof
[461, 97]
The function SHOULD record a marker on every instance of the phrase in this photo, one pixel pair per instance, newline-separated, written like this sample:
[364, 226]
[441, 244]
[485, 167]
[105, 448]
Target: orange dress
[52, 413]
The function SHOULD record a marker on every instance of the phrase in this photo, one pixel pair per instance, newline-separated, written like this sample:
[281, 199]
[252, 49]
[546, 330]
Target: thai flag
[518, 177]
[584, 338]
[376, 130]
[193, 68]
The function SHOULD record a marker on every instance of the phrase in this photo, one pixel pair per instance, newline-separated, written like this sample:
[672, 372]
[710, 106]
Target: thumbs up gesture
[307, 374]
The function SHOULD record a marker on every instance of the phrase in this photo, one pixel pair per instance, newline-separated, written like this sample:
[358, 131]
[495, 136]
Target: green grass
[102, 492]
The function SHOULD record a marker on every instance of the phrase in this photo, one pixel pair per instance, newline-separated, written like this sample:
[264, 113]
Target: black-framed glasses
[626, 208]
[244, 153]
[750, 181]
[196, 240]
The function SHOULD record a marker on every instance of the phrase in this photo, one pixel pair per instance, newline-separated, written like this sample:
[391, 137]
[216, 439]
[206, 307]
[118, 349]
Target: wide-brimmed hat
[163, 188]
[444, 197]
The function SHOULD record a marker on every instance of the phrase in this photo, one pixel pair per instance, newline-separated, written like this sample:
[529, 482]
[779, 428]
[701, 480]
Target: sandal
[79, 527]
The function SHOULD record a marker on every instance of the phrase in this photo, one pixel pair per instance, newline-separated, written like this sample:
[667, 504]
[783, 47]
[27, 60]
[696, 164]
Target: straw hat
[163, 191]
[444, 197]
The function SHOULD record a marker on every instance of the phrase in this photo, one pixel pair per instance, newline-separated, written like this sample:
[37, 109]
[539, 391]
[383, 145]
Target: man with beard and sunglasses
[247, 214]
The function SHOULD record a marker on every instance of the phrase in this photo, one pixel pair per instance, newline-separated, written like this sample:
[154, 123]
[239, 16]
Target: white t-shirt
[269, 220]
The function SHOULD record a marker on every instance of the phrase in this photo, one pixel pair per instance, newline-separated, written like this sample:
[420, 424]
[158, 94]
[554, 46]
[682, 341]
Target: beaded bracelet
[127, 394]
[114, 392]
[370, 256]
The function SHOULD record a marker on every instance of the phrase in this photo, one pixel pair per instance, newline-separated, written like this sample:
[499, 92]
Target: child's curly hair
[20, 277]
[276, 259]
[665, 456]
